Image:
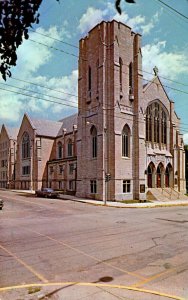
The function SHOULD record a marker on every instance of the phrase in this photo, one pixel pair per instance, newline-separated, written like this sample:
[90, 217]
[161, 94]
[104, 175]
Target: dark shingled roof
[68, 123]
[46, 128]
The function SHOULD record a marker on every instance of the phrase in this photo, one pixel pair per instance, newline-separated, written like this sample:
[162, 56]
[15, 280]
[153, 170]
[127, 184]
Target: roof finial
[156, 71]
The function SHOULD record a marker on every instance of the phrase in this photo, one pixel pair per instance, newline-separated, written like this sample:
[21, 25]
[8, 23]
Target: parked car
[47, 193]
[1, 204]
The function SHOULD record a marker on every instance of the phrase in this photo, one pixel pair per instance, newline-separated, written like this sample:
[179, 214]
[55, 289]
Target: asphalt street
[61, 249]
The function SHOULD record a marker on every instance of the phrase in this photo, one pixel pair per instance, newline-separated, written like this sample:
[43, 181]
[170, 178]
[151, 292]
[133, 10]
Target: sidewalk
[130, 205]
[117, 204]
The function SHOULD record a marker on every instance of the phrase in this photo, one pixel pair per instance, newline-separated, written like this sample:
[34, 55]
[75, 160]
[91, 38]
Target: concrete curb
[139, 205]
[155, 204]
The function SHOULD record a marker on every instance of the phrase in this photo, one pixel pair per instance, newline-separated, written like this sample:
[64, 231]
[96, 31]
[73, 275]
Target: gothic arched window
[126, 141]
[97, 71]
[94, 141]
[120, 72]
[25, 145]
[131, 78]
[163, 127]
[89, 78]
[69, 148]
[156, 123]
[59, 150]
[149, 124]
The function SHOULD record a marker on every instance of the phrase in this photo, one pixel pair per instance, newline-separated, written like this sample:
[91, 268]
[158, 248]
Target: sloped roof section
[68, 123]
[12, 132]
[46, 128]
[156, 80]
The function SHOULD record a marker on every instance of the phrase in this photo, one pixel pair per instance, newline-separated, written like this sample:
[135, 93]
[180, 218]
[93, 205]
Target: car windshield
[48, 190]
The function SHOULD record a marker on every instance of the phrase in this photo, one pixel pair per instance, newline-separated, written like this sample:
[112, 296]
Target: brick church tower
[111, 153]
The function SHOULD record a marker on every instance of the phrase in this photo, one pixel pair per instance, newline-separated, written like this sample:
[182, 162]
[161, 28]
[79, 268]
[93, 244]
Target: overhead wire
[114, 114]
[52, 47]
[65, 99]
[174, 10]
[171, 80]
[86, 59]
[55, 39]
[77, 56]
[38, 98]
[171, 14]
[35, 92]
[43, 86]
[109, 107]
[175, 89]
[148, 80]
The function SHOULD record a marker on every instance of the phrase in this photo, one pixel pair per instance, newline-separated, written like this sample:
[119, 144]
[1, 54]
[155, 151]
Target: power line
[172, 88]
[178, 82]
[57, 49]
[177, 90]
[38, 98]
[68, 105]
[6, 84]
[171, 14]
[29, 95]
[43, 86]
[173, 9]
[57, 40]
[74, 95]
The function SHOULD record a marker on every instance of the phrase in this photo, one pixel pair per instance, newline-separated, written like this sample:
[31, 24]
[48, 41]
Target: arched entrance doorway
[168, 176]
[160, 177]
[151, 175]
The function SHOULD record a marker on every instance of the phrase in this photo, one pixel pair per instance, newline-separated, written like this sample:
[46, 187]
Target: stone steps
[164, 194]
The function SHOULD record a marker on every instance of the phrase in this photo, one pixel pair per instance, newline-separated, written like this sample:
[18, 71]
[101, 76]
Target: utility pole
[31, 168]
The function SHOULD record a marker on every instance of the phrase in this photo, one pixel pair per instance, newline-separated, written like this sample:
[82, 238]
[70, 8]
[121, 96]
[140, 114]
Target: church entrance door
[160, 176]
[151, 175]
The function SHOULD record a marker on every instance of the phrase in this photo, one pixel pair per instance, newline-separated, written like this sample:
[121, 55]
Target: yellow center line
[39, 276]
[88, 284]
[138, 284]
[88, 255]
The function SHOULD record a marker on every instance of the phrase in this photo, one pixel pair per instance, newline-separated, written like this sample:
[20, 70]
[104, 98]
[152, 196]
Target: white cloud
[63, 90]
[10, 107]
[31, 56]
[146, 28]
[136, 22]
[121, 18]
[170, 64]
[94, 16]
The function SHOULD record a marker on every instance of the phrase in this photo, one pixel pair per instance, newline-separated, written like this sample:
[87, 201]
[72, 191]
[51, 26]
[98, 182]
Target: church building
[124, 143]
[128, 138]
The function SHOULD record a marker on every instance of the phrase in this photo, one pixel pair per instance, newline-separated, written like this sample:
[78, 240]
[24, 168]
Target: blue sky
[164, 44]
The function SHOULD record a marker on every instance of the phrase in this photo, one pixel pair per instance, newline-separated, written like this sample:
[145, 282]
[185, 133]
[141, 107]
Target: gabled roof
[46, 128]
[12, 132]
[49, 128]
[68, 123]
[155, 80]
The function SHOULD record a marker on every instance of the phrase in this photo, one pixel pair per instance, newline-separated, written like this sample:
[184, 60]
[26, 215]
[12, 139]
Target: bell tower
[109, 96]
